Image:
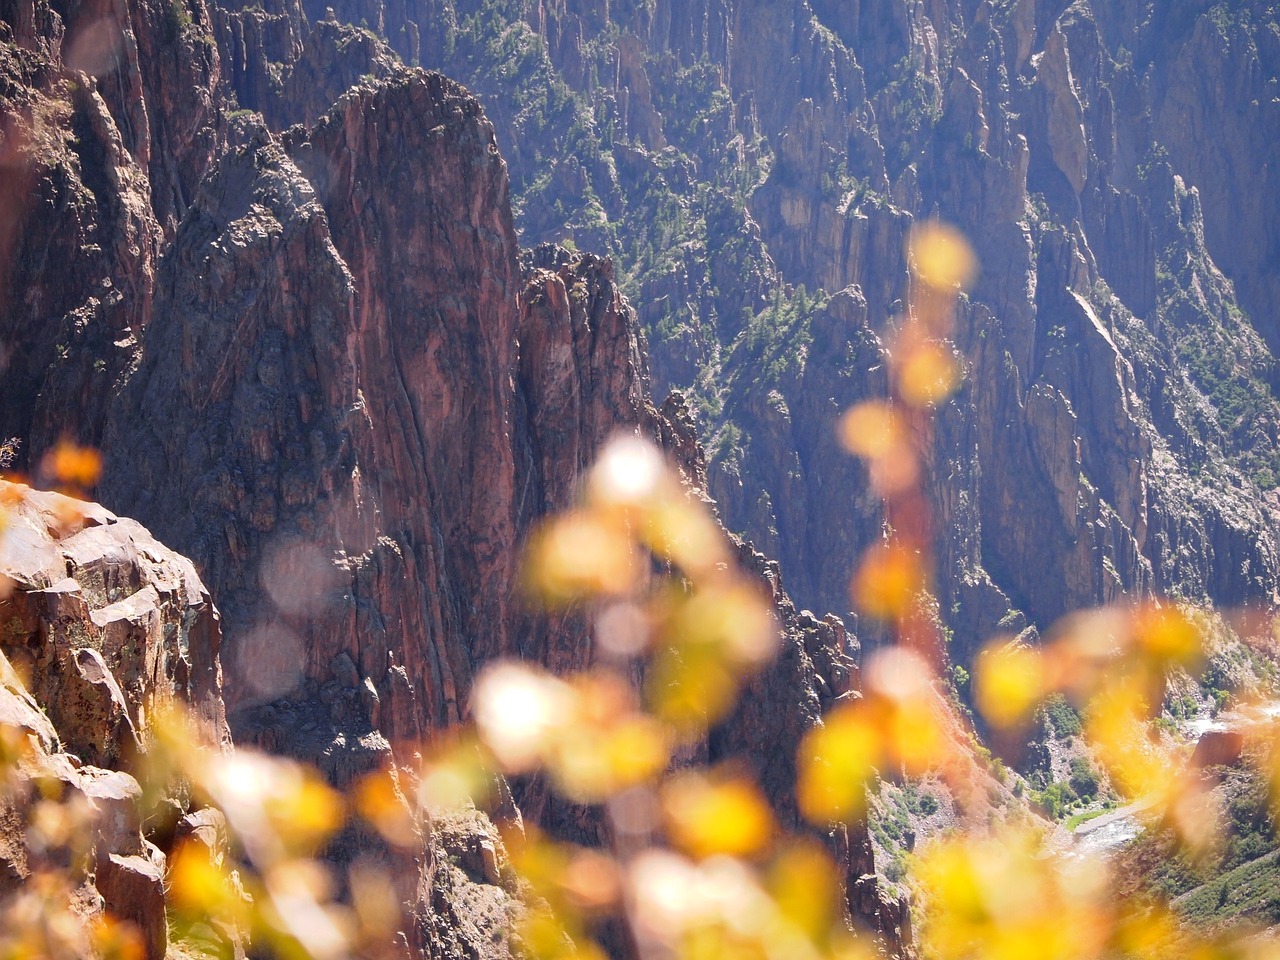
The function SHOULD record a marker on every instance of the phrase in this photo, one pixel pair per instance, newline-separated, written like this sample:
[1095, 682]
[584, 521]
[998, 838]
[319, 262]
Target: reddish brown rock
[1218, 748]
[253, 44]
[124, 873]
[133, 887]
[110, 626]
[377, 331]
[110, 629]
[335, 57]
[108, 119]
[377, 402]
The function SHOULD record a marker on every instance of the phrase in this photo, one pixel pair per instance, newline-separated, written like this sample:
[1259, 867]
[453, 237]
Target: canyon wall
[1110, 163]
[274, 271]
[330, 376]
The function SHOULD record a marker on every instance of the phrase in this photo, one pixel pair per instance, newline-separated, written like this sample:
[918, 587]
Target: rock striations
[338, 385]
[375, 404]
[1113, 165]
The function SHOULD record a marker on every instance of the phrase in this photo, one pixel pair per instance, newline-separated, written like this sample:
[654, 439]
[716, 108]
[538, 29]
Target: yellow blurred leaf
[114, 939]
[887, 581]
[305, 816]
[72, 464]
[941, 257]
[636, 751]
[1009, 682]
[1167, 636]
[379, 801]
[835, 762]
[729, 620]
[900, 704]
[580, 555]
[873, 429]
[805, 885]
[1116, 726]
[707, 816]
[455, 778]
[518, 712]
[690, 688]
[604, 745]
[1006, 897]
[199, 889]
[543, 937]
[1148, 934]
[276, 806]
[916, 736]
[928, 373]
[683, 532]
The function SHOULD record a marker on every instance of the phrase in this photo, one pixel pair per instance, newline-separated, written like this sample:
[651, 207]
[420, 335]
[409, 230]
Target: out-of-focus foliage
[700, 866]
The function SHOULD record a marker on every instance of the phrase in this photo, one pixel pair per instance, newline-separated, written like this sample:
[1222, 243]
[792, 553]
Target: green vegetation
[1076, 819]
[1083, 779]
[1240, 880]
[1251, 892]
[891, 824]
[177, 19]
[1062, 717]
[775, 342]
[910, 107]
[1220, 356]
[1054, 799]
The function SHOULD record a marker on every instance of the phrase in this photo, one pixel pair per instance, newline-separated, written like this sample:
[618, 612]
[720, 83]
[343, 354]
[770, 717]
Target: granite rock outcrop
[102, 630]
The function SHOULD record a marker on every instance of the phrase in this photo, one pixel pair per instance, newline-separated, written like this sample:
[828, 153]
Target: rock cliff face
[108, 627]
[108, 118]
[341, 354]
[377, 398]
[353, 299]
[1112, 166]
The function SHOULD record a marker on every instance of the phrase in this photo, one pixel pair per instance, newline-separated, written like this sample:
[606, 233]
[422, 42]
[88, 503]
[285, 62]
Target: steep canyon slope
[317, 361]
[1113, 164]
[753, 168]
[275, 272]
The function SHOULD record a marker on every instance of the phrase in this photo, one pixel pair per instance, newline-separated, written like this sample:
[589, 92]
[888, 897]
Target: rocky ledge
[101, 629]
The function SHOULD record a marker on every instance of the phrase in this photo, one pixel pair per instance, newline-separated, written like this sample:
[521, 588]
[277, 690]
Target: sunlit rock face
[377, 396]
[107, 626]
[103, 632]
